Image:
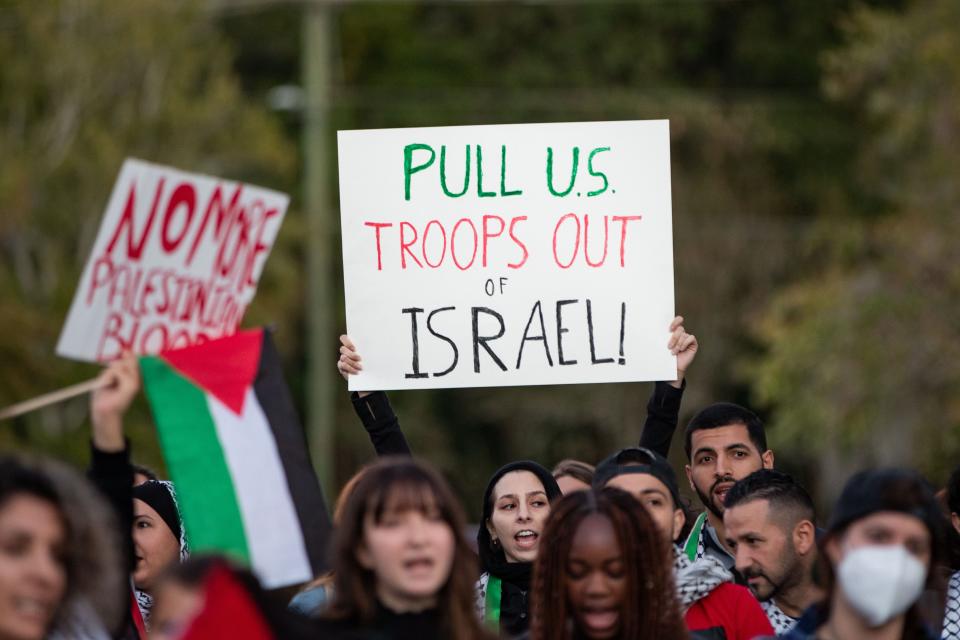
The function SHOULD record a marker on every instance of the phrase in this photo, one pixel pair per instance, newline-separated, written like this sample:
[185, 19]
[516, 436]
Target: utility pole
[321, 350]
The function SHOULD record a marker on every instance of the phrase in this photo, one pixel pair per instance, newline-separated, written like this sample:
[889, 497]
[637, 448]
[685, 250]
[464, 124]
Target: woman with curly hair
[60, 573]
[605, 574]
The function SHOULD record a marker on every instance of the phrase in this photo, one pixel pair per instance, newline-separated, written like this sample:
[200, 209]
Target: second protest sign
[176, 262]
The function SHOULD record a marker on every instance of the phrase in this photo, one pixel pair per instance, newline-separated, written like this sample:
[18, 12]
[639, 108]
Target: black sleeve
[381, 424]
[113, 476]
[663, 413]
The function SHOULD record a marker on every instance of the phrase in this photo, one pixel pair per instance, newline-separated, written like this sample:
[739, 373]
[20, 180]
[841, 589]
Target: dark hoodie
[514, 577]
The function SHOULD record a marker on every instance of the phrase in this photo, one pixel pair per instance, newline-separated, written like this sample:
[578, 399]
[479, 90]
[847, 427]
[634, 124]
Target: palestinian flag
[238, 456]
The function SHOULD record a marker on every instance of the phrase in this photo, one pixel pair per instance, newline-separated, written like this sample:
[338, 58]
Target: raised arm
[372, 407]
[110, 467]
[663, 409]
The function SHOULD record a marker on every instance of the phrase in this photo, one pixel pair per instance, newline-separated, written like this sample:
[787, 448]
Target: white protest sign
[508, 254]
[176, 261]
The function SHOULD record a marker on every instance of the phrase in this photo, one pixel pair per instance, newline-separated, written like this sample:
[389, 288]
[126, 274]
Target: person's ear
[364, 557]
[491, 531]
[689, 470]
[805, 537]
[679, 519]
[832, 549]
[767, 458]
[955, 521]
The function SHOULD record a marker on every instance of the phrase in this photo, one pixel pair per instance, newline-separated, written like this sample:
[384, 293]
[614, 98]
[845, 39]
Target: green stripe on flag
[196, 461]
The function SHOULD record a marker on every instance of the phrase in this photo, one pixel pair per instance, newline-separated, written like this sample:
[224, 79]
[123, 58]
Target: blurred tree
[863, 363]
[758, 155]
[83, 84]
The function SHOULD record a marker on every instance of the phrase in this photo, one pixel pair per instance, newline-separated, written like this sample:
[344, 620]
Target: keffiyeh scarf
[696, 579]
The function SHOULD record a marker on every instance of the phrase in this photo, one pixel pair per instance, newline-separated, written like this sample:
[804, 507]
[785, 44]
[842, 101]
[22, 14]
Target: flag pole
[48, 399]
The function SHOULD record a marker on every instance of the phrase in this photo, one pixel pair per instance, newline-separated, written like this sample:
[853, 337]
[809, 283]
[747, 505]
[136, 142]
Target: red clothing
[734, 609]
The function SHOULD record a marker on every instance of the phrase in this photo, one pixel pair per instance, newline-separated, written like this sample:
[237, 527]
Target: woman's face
[596, 582]
[33, 574]
[520, 507]
[153, 543]
[410, 554]
[881, 529]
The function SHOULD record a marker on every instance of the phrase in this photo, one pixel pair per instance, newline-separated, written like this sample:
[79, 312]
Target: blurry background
[815, 147]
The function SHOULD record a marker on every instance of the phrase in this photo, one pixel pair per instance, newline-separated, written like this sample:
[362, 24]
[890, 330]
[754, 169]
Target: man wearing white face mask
[885, 535]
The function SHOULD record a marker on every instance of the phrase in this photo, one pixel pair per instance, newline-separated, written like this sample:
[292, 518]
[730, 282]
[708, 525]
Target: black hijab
[492, 559]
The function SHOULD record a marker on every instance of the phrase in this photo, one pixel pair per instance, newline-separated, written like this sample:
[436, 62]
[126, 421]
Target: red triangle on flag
[228, 611]
[225, 367]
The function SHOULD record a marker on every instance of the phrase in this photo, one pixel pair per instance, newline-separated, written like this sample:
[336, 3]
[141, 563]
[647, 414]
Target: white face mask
[881, 582]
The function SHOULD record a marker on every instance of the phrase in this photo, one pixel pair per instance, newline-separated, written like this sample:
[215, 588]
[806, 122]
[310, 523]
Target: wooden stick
[48, 399]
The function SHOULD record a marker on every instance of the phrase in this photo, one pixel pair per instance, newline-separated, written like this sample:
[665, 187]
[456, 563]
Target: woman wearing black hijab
[516, 504]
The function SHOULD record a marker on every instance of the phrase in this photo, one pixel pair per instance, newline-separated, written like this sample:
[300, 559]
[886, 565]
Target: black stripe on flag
[305, 490]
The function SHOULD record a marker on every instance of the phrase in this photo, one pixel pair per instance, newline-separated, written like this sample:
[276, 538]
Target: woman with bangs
[402, 568]
[605, 574]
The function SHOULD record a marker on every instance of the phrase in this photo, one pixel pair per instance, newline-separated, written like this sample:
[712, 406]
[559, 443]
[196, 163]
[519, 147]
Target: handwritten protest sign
[508, 254]
[176, 262]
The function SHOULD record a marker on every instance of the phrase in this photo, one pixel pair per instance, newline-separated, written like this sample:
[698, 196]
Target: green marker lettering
[573, 172]
[443, 173]
[597, 174]
[480, 191]
[503, 174]
[409, 169]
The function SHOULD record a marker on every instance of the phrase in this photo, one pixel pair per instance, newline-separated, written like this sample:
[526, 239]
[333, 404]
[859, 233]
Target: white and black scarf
[695, 580]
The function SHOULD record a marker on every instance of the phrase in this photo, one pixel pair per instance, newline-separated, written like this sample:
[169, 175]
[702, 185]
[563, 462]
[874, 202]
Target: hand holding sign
[506, 255]
[119, 384]
[683, 345]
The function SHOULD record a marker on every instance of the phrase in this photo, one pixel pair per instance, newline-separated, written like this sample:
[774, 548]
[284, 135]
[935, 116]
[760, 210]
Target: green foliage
[862, 355]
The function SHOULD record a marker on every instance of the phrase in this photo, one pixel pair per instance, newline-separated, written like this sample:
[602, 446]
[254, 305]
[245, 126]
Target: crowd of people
[578, 552]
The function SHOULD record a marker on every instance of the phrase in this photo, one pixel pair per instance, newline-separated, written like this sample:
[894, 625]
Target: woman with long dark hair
[402, 568]
[61, 575]
[606, 573]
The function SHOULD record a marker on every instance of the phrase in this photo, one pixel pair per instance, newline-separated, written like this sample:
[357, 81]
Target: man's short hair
[724, 414]
[784, 495]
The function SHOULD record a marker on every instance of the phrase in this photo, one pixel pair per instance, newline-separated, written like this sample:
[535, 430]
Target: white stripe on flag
[277, 552]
